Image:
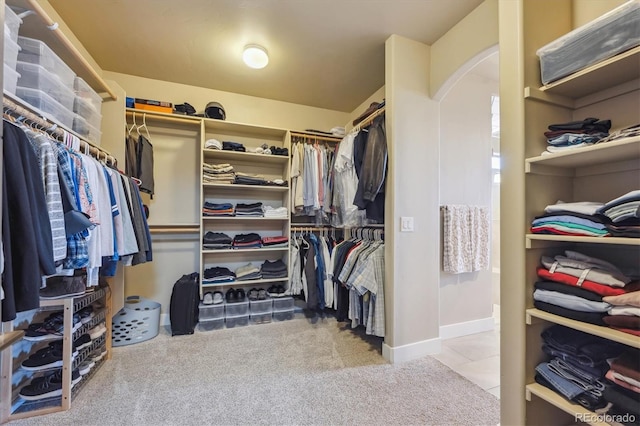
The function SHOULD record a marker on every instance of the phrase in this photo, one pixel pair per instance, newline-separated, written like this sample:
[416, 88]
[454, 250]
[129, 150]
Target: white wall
[465, 178]
[412, 265]
[377, 96]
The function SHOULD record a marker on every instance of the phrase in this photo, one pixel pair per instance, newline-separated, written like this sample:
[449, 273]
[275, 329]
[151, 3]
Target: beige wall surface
[411, 287]
[465, 178]
[377, 96]
[238, 108]
[474, 34]
[585, 11]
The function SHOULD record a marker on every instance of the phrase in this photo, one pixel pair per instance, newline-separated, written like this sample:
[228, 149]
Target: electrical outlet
[406, 224]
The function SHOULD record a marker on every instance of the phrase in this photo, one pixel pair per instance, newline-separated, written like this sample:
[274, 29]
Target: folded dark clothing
[216, 246]
[216, 238]
[218, 271]
[247, 246]
[244, 180]
[247, 238]
[252, 210]
[625, 228]
[230, 145]
[206, 213]
[588, 124]
[624, 399]
[275, 266]
[588, 317]
[270, 275]
[595, 218]
[568, 289]
[248, 206]
[217, 206]
[624, 321]
[583, 399]
[279, 151]
[274, 240]
[589, 349]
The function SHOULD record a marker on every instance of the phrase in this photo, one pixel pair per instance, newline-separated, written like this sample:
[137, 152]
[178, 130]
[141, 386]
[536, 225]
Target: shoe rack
[13, 378]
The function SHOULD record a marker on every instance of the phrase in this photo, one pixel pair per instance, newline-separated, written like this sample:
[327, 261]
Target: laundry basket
[137, 322]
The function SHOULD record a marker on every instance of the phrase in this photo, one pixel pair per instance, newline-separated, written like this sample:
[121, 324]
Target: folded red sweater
[559, 277]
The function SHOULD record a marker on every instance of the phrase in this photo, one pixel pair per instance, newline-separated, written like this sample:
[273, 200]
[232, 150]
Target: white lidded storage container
[10, 81]
[12, 24]
[37, 52]
[239, 321]
[86, 130]
[210, 312]
[34, 76]
[11, 50]
[211, 324]
[89, 98]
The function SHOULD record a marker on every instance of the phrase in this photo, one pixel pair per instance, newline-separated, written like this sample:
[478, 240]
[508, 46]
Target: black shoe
[253, 294]
[46, 388]
[52, 357]
[52, 328]
[240, 296]
[262, 294]
[82, 342]
[57, 377]
[231, 296]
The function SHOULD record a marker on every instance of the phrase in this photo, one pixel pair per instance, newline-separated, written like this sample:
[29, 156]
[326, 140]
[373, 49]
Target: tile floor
[476, 357]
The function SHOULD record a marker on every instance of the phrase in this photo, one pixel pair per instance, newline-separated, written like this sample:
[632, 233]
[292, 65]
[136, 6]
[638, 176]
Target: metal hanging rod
[55, 29]
[312, 137]
[14, 109]
[174, 229]
[325, 228]
[369, 119]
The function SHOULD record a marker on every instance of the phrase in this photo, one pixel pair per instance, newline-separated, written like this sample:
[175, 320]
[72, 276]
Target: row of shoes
[53, 326]
[50, 385]
[51, 355]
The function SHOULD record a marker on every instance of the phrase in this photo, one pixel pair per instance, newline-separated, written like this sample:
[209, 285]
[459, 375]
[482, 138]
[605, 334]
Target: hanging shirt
[345, 185]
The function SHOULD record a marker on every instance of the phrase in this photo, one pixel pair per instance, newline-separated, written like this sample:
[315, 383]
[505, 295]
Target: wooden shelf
[559, 401]
[531, 239]
[9, 338]
[219, 154]
[253, 250]
[608, 152]
[596, 330]
[619, 69]
[236, 187]
[242, 218]
[248, 282]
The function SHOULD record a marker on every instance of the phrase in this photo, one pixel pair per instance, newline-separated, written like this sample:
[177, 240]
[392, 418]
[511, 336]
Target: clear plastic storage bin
[283, 315]
[210, 312]
[236, 309]
[283, 303]
[84, 109]
[34, 76]
[11, 50]
[10, 81]
[261, 306]
[85, 92]
[86, 130]
[46, 104]
[37, 52]
[260, 318]
[210, 325]
[12, 24]
[239, 321]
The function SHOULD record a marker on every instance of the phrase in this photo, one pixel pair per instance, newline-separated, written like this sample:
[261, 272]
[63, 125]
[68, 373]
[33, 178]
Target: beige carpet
[287, 373]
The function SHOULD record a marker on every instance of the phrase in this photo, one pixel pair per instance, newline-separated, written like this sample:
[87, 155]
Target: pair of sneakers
[235, 296]
[276, 291]
[258, 294]
[47, 386]
[212, 298]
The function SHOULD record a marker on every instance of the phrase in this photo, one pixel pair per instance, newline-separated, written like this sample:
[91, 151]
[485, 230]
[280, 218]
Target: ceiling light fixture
[255, 56]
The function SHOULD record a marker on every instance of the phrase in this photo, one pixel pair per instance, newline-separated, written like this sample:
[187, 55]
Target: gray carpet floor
[297, 372]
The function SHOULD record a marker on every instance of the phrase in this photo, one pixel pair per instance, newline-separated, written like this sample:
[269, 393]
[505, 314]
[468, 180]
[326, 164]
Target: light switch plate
[406, 224]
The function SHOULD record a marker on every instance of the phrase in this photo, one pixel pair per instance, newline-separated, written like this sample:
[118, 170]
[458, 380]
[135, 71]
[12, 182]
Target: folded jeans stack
[577, 365]
[575, 134]
[275, 269]
[217, 275]
[217, 209]
[251, 240]
[253, 209]
[248, 272]
[216, 241]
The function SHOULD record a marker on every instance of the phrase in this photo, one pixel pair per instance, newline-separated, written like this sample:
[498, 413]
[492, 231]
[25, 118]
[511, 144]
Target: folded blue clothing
[568, 219]
[218, 206]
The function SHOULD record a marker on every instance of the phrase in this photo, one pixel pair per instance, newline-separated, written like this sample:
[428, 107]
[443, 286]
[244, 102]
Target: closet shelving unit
[607, 90]
[268, 166]
[12, 406]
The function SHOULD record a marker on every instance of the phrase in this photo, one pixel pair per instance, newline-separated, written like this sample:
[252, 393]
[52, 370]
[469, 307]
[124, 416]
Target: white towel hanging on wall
[466, 238]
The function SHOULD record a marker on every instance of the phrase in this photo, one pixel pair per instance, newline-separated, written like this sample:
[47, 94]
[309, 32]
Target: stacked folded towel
[280, 212]
[248, 272]
[218, 173]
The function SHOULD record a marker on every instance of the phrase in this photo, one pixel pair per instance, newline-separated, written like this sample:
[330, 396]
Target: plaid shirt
[77, 250]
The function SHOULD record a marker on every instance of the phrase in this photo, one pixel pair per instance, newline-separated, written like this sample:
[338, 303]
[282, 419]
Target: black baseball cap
[214, 110]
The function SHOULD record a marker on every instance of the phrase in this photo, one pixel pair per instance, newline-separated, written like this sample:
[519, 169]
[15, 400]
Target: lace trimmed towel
[466, 238]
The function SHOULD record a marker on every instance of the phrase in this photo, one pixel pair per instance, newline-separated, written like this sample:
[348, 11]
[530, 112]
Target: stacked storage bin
[12, 24]
[45, 82]
[87, 108]
[211, 317]
[283, 308]
[261, 311]
[236, 314]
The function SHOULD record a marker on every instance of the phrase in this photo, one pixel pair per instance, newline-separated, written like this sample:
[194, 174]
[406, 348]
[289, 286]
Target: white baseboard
[411, 351]
[465, 328]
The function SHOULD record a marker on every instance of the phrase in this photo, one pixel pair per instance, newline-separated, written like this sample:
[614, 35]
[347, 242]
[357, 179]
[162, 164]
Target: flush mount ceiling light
[255, 56]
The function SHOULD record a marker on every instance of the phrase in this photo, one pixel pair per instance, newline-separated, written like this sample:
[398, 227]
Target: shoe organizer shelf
[270, 167]
[59, 376]
[608, 90]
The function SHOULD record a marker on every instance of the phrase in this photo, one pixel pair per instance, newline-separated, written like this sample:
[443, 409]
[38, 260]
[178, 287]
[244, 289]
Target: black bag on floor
[183, 309]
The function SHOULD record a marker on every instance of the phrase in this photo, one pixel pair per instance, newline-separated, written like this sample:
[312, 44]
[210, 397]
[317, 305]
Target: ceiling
[323, 53]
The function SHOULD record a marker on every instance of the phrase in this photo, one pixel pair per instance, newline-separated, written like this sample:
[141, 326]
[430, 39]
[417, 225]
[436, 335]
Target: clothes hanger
[144, 125]
[133, 125]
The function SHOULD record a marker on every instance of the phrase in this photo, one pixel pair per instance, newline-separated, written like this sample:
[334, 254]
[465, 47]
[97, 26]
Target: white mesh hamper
[137, 322]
